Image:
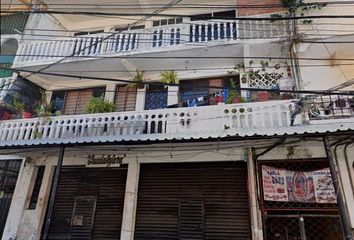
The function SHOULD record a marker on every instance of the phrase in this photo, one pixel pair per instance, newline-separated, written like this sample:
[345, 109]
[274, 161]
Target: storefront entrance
[89, 203]
[193, 201]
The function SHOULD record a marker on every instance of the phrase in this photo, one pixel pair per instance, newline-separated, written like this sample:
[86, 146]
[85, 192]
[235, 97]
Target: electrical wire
[216, 87]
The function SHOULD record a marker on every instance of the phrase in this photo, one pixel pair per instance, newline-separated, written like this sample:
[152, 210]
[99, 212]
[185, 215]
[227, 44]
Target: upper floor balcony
[121, 51]
[247, 119]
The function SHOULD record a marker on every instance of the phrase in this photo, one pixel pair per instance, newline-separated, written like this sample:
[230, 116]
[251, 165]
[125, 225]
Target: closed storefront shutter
[89, 204]
[193, 201]
[125, 98]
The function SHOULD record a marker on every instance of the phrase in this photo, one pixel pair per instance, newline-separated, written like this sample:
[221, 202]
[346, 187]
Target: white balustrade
[147, 39]
[177, 123]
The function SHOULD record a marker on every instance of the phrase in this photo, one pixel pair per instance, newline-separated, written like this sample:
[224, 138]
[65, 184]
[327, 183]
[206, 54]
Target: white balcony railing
[162, 124]
[146, 40]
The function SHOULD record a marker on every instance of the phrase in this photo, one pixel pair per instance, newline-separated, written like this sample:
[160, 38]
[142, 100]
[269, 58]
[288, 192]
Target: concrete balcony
[120, 51]
[223, 120]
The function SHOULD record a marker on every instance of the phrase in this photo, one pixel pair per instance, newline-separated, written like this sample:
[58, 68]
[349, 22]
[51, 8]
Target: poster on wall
[297, 186]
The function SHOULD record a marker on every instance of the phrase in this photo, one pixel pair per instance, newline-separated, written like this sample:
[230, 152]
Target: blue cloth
[192, 103]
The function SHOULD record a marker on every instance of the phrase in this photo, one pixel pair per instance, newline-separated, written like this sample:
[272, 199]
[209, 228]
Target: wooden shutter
[125, 98]
[71, 99]
[193, 201]
[76, 100]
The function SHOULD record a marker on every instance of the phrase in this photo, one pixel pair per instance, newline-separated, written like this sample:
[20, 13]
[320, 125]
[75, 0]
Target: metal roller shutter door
[193, 201]
[89, 203]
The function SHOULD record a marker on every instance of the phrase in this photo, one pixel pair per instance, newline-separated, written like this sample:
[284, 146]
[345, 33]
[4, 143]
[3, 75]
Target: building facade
[241, 147]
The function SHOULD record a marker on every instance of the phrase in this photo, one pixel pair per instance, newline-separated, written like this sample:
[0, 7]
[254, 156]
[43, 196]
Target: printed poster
[274, 184]
[297, 186]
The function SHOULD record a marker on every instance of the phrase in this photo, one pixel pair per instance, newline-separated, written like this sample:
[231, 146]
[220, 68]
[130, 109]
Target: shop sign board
[297, 186]
[104, 160]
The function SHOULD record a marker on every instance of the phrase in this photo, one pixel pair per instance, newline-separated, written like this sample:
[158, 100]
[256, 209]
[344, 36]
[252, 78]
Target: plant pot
[236, 99]
[263, 96]
[26, 114]
[6, 116]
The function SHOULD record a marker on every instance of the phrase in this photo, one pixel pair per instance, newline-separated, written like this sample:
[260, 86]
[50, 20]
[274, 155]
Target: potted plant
[169, 77]
[26, 114]
[6, 115]
[139, 78]
[18, 105]
[99, 105]
[45, 108]
[235, 97]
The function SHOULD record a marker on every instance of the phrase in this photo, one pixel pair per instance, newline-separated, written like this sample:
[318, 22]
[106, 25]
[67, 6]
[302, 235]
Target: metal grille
[8, 177]
[156, 97]
[309, 227]
[270, 80]
[324, 107]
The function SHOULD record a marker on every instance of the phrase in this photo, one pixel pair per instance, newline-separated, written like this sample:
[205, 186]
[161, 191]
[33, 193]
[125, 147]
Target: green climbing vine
[299, 7]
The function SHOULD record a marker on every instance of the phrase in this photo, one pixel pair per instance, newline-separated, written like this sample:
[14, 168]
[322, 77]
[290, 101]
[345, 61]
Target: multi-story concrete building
[241, 147]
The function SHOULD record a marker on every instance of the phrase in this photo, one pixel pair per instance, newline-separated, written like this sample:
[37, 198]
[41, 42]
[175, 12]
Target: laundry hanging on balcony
[219, 96]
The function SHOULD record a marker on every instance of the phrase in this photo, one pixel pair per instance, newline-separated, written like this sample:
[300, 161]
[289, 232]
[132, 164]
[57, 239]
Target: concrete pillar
[246, 63]
[110, 92]
[19, 200]
[32, 220]
[140, 99]
[346, 175]
[130, 201]
[256, 217]
[172, 95]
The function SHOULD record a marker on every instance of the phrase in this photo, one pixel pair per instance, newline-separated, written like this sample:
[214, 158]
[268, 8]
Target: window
[74, 101]
[224, 14]
[169, 21]
[58, 99]
[125, 98]
[120, 29]
[87, 33]
[36, 188]
[156, 97]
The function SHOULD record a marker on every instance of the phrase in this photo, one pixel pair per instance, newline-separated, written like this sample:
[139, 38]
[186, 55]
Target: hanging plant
[99, 105]
[169, 77]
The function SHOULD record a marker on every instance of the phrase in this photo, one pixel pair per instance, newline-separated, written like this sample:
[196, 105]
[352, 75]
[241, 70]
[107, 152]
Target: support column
[256, 217]
[53, 192]
[340, 200]
[246, 62]
[110, 92]
[172, 97]
[140, 99]
[130, 201]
